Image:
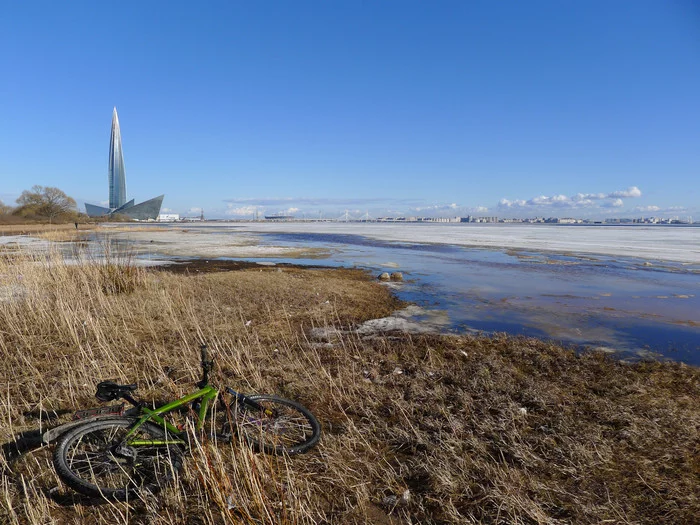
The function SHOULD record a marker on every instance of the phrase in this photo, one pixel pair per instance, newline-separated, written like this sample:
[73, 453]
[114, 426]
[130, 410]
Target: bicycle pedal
[125, 451]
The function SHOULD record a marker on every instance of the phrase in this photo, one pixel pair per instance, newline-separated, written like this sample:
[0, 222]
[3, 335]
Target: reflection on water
[623, 305]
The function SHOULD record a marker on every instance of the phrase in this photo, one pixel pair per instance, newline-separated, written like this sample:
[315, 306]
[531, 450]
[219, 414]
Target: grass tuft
[417, 429]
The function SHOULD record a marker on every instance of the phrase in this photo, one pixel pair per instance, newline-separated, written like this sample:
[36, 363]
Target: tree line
[41, 203]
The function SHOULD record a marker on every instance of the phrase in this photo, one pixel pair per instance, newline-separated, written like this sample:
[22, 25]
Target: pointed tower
[117, 174]
[144, 211]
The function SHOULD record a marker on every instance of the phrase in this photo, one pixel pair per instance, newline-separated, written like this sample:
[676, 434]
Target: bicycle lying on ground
[122, 454]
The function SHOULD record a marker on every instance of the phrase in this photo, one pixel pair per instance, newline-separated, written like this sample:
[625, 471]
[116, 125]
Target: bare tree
[45, 201]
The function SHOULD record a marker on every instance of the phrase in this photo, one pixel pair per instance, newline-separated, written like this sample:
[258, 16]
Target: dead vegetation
[38, 229]
[416, 429]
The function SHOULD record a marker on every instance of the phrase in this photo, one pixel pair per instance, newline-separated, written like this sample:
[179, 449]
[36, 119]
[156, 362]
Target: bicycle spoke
[103, 458]
[274, 424]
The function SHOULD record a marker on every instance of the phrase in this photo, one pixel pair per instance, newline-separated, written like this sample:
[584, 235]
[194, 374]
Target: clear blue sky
[432, 108]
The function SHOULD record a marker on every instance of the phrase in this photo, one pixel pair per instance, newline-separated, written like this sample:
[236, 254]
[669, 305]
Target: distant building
[147, 210]
[168, 217]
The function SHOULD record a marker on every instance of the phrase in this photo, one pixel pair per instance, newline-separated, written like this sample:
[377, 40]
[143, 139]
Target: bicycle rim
[96, 460]
[276, 425]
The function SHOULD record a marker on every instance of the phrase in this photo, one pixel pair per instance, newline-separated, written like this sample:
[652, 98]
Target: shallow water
[613, 303]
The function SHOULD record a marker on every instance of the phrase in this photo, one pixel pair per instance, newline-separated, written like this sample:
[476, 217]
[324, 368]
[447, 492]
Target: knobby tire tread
[299, 448]
[89, 489]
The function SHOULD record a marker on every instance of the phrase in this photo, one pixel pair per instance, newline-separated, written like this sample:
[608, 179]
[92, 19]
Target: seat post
[206, 367]
[131, 400]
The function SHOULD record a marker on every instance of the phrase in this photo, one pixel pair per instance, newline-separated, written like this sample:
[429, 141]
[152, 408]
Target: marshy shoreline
[418, 428]
[634, 307]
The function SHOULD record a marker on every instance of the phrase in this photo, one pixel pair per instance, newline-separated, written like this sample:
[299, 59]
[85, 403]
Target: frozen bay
[661, 243]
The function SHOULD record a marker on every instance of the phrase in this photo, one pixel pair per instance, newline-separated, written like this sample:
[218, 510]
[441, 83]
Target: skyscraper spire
[117, 173]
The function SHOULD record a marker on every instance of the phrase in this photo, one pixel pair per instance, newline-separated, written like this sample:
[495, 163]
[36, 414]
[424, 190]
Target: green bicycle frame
[207, 394]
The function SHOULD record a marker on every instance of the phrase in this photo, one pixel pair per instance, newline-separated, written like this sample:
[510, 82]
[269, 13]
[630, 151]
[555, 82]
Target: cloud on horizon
[577, 201]
[437, 207]
[316, 201]
[356, 206]
[243, 211]
[587, 204]
[659, 210]
[250, 211]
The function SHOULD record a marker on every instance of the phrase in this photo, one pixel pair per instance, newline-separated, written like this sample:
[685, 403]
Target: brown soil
[195, 266]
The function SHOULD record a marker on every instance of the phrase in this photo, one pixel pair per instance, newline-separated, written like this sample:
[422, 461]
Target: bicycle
[121, 454]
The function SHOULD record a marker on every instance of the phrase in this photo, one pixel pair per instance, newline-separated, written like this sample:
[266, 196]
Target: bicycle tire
[270, 424]
[87, 459]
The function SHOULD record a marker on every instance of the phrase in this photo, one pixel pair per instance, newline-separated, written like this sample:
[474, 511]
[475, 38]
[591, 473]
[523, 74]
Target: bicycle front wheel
[275, 425]
[97, 459]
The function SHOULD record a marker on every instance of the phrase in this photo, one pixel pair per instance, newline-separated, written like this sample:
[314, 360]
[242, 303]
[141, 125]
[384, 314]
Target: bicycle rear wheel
[275, 425]
[97, 460]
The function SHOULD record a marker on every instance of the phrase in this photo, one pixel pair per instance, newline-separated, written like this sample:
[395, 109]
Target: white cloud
[437, 207]
[556, 200]
[631, 192]
[505, 203]
[615, 203]
[196, 209]
[242, 211]
[577, 201]
[671, 210]
[166, 210]
[250, 210]
[587, 197]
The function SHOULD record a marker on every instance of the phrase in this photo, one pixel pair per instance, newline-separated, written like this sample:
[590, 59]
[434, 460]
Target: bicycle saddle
[109, 390]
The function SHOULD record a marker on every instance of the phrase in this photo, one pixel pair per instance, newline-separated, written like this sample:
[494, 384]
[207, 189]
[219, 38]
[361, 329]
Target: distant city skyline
[509, 109]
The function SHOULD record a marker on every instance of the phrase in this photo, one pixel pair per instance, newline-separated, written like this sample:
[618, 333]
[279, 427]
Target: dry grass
[132, 228]
[42, 229]
[416, 430]
[64, 235]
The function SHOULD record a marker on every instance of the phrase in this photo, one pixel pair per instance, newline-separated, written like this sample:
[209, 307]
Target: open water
[622, 305]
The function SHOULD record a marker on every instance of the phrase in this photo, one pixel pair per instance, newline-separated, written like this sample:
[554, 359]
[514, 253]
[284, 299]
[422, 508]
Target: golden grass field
[416, 429]
[31, 229]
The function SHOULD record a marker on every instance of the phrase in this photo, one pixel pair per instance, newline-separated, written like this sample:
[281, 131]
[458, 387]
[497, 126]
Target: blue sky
[588, 109]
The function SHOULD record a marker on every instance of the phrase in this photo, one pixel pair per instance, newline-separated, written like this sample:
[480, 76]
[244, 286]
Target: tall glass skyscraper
[117, 174]
[118, 205]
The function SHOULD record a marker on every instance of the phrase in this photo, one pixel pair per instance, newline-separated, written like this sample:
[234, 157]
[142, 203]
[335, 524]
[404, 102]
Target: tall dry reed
[416, 429]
